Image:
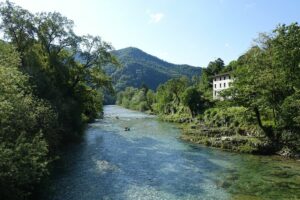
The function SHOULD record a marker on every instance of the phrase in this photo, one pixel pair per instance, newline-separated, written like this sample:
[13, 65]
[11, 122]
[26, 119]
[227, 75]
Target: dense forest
[47, 96]
[260, 113]
[140, 68]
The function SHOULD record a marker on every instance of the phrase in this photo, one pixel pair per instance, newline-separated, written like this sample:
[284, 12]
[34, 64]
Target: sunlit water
[150, 162]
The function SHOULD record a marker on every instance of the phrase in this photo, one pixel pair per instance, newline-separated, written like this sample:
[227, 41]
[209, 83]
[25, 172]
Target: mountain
[140, 68]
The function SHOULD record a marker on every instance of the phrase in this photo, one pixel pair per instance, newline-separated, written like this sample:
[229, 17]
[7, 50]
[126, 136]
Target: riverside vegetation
[52, 83]
[260, 113]
[46, 95]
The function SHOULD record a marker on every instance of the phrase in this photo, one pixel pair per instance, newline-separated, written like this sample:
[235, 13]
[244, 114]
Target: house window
[224, 77]
[215, 85]
[215, 79]
[229, 77]
[224, 84]
[220, 85]
[215, 93]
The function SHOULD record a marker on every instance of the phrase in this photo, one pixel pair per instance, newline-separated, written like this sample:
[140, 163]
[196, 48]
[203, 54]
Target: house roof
[222, 74]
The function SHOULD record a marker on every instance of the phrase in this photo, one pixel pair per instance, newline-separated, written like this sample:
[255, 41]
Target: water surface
[150, 162]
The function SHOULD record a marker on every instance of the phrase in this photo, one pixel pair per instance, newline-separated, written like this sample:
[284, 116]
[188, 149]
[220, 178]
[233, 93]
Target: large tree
[194, 100]
[267, 75]
[168, 95]
[65, 69]
[50, 82]
[28, 130]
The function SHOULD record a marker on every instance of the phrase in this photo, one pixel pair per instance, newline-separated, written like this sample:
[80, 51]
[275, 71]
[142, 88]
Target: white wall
[220, 84]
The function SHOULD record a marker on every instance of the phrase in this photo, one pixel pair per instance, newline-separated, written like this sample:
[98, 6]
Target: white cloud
[155, 17]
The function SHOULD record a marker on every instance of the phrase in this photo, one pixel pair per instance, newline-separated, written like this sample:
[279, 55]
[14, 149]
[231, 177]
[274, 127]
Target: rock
[286, 152]
[225, 138]
[223, 184]
[127, 129]
[117, 117]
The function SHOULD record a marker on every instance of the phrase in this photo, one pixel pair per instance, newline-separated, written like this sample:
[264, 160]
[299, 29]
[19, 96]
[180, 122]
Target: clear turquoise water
[150, 162]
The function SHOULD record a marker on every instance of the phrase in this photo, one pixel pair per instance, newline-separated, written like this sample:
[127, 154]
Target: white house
[221, 82]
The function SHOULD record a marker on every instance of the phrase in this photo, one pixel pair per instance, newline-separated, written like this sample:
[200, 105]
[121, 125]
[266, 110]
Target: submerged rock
[126, 129]
[224, 184]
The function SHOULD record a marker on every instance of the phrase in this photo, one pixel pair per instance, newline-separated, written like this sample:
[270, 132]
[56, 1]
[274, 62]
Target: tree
[215, 67]
[17, 25]
[27, 128]
[250, 85]
[291, 112]
[194, 100]
[151, 99]
[65, 69]
[267, 76]
[168, 95]
[50, 87]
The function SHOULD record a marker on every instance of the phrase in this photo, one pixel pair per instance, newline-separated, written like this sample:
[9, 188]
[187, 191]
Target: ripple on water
[149, 162]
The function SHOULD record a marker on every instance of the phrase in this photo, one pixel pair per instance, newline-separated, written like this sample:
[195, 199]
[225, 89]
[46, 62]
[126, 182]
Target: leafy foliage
[46, 93]
[27, 127]
[136, 99]
[168, 96]
[173, 97]
[206, 80]
[267, 78]
[194, 100]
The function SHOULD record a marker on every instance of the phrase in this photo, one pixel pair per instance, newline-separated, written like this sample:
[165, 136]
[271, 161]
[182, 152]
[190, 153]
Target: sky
[191, 32]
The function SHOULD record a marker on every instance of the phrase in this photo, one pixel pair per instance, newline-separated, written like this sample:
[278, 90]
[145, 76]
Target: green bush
[227, 116]
[27, 127]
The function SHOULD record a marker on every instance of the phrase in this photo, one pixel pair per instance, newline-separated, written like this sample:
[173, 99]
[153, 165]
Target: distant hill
[140, 68]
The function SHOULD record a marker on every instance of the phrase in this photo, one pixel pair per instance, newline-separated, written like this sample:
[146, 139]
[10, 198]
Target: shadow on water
[150, 163]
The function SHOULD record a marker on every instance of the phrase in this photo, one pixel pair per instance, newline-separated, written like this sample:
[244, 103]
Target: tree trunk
[257, 114]
[267, 130]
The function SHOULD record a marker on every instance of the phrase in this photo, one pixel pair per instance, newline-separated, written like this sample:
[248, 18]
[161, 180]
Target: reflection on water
[149, 162]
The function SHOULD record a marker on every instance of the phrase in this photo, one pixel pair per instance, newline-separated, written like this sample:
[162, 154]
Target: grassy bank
[227, 138]
[224, 138]
[227, 129]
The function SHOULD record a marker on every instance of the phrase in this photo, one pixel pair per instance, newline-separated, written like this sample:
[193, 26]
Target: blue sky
[180, 31]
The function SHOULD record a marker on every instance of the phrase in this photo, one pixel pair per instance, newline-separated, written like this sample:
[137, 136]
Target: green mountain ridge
[139, 67]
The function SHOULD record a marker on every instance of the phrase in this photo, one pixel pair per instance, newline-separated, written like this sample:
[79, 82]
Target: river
[150, 162]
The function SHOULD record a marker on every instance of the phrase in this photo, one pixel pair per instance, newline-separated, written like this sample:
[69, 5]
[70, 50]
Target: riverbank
[228, 129]
[225, 138]
[249, 139]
